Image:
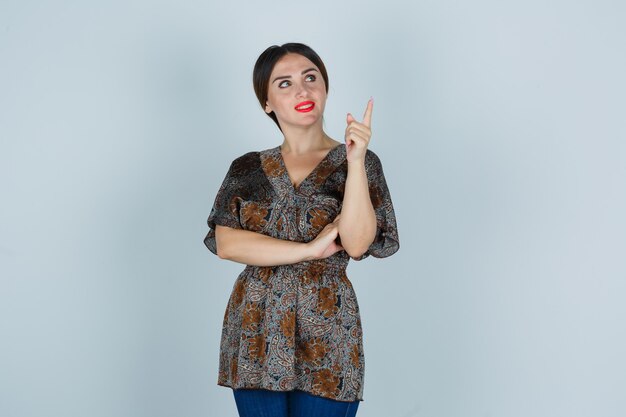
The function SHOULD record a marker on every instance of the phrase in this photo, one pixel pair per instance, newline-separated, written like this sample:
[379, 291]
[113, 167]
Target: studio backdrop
[500, 127]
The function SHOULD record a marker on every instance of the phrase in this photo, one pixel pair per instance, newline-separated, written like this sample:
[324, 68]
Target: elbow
[222, 253]
[222, 249]
[221, 242]
[355, 255]
[356, 252]
[355, 248]
[357, 244]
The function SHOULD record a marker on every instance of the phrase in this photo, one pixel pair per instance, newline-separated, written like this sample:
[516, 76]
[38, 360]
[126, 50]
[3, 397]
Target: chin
[309, 121]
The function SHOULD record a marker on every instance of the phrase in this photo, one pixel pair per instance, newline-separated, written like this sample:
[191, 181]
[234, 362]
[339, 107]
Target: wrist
[357, 163]
[356, 168]
[307, 251]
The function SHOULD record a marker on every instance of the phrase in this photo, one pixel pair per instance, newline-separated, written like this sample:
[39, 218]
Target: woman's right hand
[325, 243]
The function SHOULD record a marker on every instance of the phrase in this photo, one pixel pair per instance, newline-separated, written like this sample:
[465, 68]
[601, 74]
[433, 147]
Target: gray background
[501, 129]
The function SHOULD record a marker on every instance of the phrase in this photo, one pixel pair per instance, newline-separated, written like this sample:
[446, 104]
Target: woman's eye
[282, 84]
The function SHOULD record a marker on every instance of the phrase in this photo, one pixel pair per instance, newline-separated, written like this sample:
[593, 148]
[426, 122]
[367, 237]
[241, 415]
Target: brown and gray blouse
[295, 326]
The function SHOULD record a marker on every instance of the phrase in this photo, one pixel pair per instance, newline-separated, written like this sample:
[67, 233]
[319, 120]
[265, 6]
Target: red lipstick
[308, 106]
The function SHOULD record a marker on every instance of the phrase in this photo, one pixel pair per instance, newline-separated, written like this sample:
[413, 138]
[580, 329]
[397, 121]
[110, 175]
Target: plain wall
[500, 125]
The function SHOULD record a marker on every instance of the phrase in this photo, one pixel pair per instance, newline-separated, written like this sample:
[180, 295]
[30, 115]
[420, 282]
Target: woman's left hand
[358, 135]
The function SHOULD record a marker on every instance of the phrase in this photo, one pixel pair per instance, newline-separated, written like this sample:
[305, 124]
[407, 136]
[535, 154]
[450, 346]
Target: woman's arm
[357, 227]
[253, 248]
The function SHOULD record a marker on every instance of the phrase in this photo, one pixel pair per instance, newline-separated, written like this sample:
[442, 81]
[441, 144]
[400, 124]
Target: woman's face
[296, 81]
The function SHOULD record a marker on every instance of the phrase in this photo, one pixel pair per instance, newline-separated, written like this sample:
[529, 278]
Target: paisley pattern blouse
[295, 326]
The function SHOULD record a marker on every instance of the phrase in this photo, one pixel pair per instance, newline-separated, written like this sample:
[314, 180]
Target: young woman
[295, 214]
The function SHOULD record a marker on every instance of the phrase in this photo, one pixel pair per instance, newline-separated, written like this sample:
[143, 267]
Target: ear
[267, 108]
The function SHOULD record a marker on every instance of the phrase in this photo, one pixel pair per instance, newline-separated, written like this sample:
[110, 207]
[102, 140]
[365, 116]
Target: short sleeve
[386, 242]
[225, 210]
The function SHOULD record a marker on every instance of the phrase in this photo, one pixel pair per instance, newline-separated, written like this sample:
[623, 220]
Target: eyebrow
[289, 76]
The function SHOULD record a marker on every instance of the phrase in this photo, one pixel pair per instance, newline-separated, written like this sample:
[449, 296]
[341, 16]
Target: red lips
[306, 109]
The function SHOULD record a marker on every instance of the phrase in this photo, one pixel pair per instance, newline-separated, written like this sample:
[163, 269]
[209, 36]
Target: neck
[301, 140]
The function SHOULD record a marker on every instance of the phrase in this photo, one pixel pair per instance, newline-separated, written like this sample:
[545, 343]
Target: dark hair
[268, 59]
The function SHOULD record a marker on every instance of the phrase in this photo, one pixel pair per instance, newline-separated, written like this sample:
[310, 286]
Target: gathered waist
[313, 265]
[319, 263]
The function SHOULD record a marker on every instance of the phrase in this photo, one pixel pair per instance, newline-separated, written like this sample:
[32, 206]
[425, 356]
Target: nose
[301, 90]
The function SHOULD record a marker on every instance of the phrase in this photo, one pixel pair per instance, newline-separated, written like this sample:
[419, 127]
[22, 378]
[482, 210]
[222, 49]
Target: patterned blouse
[295, 326]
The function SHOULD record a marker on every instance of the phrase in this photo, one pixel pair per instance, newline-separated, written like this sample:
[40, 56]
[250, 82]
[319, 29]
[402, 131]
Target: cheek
[321, 102]
[276, 102]
[321, 93]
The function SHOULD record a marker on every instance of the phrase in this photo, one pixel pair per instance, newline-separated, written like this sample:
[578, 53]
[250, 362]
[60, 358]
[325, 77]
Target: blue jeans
[265, 403]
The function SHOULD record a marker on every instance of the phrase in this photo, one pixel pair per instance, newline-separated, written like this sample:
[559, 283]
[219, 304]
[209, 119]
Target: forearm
[357, 225]
[253, 248]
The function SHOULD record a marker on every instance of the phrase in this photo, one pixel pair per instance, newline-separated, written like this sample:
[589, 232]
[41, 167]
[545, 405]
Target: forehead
[291, 63]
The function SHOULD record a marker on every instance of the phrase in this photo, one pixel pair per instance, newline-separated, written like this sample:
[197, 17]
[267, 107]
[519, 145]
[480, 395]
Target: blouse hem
[224, 384]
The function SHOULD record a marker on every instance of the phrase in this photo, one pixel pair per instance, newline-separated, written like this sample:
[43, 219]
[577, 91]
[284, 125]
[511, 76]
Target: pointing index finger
[367, 117]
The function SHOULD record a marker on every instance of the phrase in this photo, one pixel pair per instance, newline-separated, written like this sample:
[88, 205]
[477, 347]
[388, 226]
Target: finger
[350, 118]
[356, 126]
[367, 117]
[330, 234]
[357, 136]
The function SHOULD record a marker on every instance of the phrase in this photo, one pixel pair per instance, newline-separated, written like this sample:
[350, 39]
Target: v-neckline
[317, 167]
